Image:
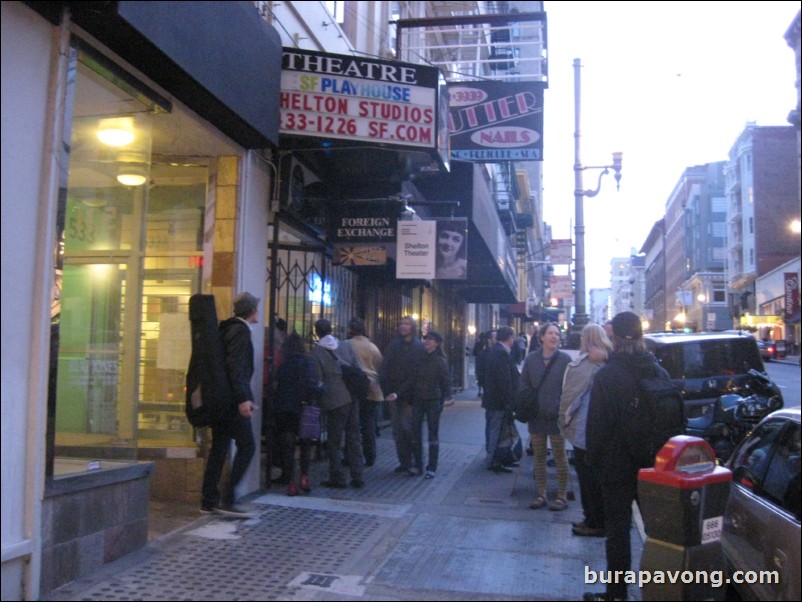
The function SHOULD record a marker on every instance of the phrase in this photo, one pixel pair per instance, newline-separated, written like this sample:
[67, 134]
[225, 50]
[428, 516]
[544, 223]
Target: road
[787, 377]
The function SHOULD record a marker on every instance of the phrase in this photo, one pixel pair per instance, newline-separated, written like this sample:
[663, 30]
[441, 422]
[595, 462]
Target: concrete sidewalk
[468, 534]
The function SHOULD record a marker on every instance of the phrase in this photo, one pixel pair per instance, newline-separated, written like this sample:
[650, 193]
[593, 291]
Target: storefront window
[131, 232]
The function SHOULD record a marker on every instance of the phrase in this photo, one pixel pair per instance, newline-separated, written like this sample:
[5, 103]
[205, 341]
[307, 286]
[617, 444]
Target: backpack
[208, 393]
[654, 415]
[356, 381]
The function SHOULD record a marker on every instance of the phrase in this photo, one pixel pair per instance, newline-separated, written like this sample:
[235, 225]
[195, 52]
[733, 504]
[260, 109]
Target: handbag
[309, 427]
[527, 400]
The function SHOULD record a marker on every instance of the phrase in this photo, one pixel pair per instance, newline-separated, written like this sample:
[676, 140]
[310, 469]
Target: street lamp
[580, 315]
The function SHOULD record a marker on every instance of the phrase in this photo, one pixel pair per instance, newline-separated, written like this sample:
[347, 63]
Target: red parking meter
[682, 501]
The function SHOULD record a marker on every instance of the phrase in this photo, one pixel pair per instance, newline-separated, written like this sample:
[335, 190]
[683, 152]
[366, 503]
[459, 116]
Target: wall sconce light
[132, 174]
[116, 132]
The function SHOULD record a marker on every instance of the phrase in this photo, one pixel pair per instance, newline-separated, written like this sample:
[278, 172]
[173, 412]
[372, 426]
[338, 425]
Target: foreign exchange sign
[358, 99]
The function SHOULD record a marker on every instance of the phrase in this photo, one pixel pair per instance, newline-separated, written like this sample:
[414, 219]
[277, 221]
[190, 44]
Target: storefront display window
[131, 232]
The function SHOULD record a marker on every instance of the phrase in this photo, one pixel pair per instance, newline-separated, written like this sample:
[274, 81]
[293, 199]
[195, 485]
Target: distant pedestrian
[501, 383]
[593, 352]
[235, 333]
[342, 411]
[432, 388]
[478, 347]
[614, 388]
[296, 385]
[396, 377]
[370, 358]
[543, 372]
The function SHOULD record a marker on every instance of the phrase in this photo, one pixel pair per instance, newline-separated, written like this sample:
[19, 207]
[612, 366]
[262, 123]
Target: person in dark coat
[296, 384]
[501, 383]
[478, 349]
[614, 388]
[431, 390]
[239, 357]
[396, 378]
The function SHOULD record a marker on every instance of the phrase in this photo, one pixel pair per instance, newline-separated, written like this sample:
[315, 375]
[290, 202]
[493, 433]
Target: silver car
[762, 522]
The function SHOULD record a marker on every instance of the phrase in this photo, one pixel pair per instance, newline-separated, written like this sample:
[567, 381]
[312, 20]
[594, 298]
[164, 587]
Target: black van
[707, 365]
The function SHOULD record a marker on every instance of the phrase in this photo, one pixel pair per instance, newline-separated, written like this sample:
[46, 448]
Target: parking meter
[682, 501]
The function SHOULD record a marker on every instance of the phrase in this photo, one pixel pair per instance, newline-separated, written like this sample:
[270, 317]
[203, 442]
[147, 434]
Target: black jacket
[432, 379]
[499, 378]
[238, 349]
[397, 373]
[614, 387]
[295, 383]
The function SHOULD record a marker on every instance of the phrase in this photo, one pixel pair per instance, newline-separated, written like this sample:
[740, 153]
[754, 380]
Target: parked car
[707, 365]
[761, 527]
[768, 350]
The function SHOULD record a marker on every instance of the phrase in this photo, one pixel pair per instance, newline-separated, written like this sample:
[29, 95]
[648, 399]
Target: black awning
[221, 59]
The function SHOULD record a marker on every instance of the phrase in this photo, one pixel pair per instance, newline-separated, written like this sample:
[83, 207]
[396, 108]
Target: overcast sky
[671, 85]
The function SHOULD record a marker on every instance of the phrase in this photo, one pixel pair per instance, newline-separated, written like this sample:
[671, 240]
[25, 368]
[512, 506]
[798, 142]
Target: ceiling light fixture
[116, 132]
[132, 174]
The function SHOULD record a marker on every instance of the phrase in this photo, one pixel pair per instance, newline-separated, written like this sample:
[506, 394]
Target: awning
[221, 59]
[492, 276]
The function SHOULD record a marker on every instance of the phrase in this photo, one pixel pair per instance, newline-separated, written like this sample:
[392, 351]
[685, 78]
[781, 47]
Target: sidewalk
[466, 535]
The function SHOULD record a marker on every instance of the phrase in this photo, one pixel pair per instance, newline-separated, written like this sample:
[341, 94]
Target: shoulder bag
[527, 400]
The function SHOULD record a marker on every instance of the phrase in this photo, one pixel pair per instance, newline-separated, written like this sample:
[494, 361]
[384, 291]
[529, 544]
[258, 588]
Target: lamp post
[580, 315]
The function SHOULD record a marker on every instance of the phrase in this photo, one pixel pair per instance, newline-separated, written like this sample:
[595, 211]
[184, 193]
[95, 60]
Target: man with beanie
[235, 334]
[614, 388]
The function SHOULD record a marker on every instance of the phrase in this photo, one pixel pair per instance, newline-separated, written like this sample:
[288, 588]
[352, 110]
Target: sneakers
[429, 474]
[414, 472]
[236, 511]
[499, 469]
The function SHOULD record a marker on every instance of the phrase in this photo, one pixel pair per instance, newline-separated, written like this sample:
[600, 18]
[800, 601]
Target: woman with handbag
[593, 352]
[543, 372]
[296, 386]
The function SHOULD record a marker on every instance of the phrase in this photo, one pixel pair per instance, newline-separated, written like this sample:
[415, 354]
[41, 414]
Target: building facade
[137, 172]
[763, 199]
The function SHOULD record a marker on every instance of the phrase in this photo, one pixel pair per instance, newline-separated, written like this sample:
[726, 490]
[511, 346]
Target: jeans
[590, 489]
[401, 420]
[339, 421]
[618, 498]
[367, 424]
[429, 410]
[239, 429]
[493, 422]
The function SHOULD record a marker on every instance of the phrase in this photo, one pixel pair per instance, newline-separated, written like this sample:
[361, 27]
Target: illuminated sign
[358, 99]
[319, 290]
[496, 121]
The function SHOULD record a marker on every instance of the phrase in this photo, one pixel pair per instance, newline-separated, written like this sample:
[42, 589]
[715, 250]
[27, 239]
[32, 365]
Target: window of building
[719, 296]
[130, 255]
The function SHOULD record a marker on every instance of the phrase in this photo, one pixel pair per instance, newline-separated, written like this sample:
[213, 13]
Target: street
[786, 374]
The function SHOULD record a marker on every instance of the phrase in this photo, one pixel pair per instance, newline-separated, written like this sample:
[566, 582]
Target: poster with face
[451, 260]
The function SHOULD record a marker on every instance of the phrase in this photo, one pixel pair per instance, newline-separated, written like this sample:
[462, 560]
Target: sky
[669, 84]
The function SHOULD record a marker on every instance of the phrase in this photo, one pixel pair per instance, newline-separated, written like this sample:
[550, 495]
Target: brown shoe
[585, 531]
[558, 504]
[539, 503]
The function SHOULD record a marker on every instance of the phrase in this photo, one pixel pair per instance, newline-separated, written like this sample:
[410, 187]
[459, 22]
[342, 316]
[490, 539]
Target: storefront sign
[561, 251]
[358, 99]
[359, 255]
[791, 280]
[496, 121]
[362, 232]
[561, 287]
[415, 250]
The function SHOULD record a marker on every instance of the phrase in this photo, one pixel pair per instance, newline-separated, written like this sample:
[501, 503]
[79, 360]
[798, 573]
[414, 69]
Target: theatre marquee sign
[359, 99]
